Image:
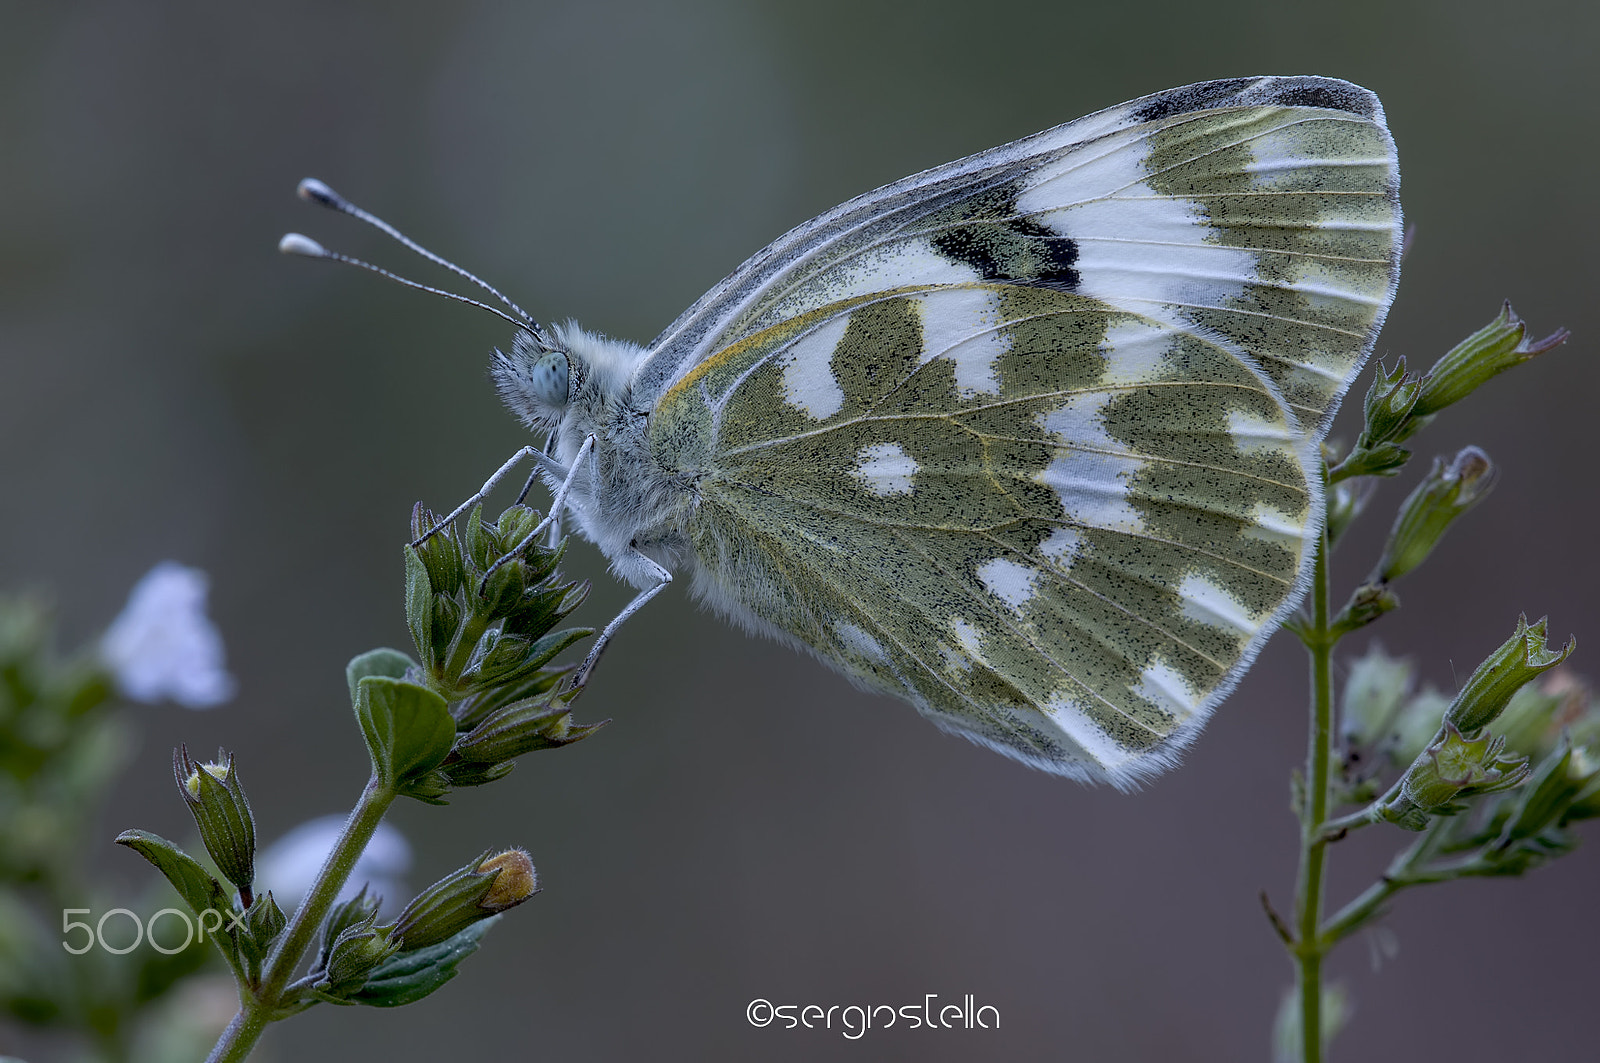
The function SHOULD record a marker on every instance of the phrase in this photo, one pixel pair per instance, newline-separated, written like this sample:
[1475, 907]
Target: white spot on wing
[1274, 525]
[1256, 435]
[1161, 685]
[885, 469]
[1135, 246]
[808, 380]
[1210, 604]
[1062, 546]
[1083, 731]
[968, 637]
[962, 324]
[1134, 351]
[1093, 487]
[1010, 582]
[857, 640]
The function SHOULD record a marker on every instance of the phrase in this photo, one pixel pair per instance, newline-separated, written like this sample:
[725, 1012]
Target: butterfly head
[545, 379]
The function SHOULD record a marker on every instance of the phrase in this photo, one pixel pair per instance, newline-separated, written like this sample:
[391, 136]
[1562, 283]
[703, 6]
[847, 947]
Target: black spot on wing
[1191, 98]
[1329, 93]
[1013, 251]
[1333, 95]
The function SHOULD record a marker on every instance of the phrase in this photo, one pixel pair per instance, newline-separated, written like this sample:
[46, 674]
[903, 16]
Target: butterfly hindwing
[1027, 440]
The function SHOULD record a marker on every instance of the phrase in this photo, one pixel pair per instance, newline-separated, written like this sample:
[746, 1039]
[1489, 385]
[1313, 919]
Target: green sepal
[407, 977]
[1367, 603]
[407, 727]
[512, 658]
[355, 954]
[1498, 346]
[358, 909]
[216, 797]
[266, 921]
[1444, 494]
[1388, 406]
[419, 605]
[1384, 459]
[430, 787]
[1545, 799]
[198, 888]
[466, 773]
[1523, 657]
[522, 727]
[438, 551]
[385, 662]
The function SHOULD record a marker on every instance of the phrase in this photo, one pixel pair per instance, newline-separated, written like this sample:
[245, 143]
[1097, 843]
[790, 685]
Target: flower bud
[354, 954]
[1388, 406]
[1491, 350]
[1453, 767]
[222, 812]
[483, 888]
[519, 728]
[1550, 791]
[1521, 658]
[439, 552]
[1447, 492]
[1372, 697]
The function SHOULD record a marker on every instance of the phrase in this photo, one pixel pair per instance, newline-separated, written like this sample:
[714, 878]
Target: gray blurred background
[748, 826]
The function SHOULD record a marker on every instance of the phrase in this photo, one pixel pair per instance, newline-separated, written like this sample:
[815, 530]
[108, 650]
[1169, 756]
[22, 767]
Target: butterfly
[1030, 440]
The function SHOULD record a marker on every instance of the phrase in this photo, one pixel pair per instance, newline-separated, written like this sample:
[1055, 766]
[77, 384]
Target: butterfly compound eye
[549, 379]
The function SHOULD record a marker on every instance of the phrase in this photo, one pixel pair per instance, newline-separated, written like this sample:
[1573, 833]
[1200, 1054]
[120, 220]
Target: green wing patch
[1052, 525]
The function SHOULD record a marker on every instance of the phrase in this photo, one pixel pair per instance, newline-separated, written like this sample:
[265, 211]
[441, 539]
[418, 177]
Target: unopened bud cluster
[484, 625]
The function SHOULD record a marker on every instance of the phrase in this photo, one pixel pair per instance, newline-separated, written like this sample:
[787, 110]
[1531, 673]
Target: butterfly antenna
[296, 244]
[316, 191]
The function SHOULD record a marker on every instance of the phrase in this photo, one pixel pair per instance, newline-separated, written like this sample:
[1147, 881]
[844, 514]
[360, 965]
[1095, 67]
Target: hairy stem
[260, 1006]
[1309, 947]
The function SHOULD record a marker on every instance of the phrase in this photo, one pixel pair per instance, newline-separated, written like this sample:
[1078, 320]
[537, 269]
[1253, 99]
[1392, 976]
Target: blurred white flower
[164, 646]
[289, 866]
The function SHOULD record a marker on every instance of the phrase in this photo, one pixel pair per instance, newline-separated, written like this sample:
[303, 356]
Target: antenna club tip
[295, 244]
[318, 192]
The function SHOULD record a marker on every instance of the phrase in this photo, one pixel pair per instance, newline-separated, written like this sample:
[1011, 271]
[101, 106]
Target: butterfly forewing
[1028, 440]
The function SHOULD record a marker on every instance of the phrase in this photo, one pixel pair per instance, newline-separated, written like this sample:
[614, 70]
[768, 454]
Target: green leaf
[380, 662]
[409, 976]
[408, 728]
[199, 890]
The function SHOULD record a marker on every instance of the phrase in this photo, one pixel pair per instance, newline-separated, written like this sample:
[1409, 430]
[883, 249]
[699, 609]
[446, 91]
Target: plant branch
[1309, 948]
[261, 1007]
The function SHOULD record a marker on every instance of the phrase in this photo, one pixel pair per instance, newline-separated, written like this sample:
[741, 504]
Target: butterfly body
[1029, 440]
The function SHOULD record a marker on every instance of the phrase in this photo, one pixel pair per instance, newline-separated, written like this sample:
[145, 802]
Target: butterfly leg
[557, 500]
[538, 456]
[533, 478]
[663, 578]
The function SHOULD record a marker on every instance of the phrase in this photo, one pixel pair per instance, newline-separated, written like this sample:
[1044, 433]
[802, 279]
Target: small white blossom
[289, 866]
[163, 646]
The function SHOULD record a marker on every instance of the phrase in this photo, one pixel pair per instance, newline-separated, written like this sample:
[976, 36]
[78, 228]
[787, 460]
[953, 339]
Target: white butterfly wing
[1028, 440]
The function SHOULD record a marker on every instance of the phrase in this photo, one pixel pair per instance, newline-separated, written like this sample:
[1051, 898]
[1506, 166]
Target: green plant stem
[1309, 946]
[1403, 872]
[260, 1007]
